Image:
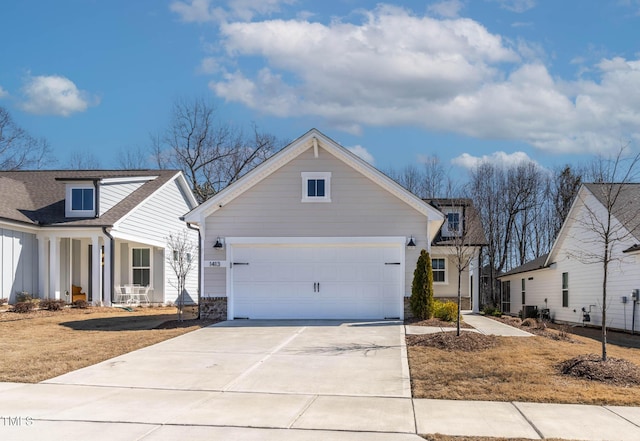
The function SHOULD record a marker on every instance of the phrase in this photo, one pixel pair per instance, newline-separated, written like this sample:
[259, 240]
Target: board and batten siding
[112, 193]
[157, 218]
[19, 263]
[273, 208]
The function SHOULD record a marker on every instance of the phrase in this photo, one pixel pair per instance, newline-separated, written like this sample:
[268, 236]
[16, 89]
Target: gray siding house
[94, 229]
[315, 232]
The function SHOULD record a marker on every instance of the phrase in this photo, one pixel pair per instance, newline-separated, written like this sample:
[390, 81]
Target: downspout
[112, 260]
[191, 227]
[96, 185]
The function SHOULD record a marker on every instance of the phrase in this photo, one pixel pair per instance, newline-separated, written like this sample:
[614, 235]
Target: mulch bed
[614, 371]
[436, 323]
[536, 327]
[449, 341]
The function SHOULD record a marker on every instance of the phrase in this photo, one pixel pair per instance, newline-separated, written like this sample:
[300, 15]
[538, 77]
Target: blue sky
[553, 81]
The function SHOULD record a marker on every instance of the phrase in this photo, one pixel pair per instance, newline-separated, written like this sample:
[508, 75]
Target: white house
[314, 232]
[92, 229]
[568, 281]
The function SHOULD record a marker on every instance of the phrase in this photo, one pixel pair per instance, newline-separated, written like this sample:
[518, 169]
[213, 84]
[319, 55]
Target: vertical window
[506, 296]
[453, 222]
[82, 199]
[141, 266]
[438, 270]
[565, 290]
[316, 187]
[523, 293]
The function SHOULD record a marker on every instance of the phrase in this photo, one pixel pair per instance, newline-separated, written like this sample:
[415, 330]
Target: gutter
[191, 227]
[112, 260]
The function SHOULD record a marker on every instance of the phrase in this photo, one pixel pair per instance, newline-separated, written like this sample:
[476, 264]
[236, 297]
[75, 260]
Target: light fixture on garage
[219, 243]
[411, 244]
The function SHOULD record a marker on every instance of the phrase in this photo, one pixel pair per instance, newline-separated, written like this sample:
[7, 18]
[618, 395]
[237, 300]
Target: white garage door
[329, 281]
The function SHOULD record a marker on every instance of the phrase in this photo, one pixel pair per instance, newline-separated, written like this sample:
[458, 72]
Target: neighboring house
[460, 237]
[566, 283]
[314, 232]
[93, 229]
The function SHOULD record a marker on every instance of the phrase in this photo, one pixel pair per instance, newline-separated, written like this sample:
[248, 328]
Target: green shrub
[421, 300]
[52, 304]
[81, 304]
[492, 310]
[446, 311]
[23, 307]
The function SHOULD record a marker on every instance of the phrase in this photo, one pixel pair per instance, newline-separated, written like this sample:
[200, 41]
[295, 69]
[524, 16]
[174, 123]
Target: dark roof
[38, 197]
[532, 265]
[475, 230]
[627, 205]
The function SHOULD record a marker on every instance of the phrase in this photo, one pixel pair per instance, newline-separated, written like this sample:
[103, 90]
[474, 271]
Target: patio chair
[144, 294]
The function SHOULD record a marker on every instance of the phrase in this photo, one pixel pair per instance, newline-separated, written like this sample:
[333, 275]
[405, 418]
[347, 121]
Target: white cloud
[397, 69]
[499, 158]
[517, 6]
[362, 153]
[209, 65]
[201, 11]
[447, 8]
[54, 95]
[3, 93]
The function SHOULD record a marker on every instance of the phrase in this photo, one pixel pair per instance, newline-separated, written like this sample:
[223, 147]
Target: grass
[40, 345]
[438, 437]
[518, 369]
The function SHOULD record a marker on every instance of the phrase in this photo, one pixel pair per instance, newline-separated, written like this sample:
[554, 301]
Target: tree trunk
[604, 304]
[459, 301]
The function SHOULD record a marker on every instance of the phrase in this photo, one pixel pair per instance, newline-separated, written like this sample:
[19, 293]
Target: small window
[506, 296]
[439, 270]
[141, 266]
[316, 187]
[82, 199]
[523, 293]
[565, 290]
[453, 222]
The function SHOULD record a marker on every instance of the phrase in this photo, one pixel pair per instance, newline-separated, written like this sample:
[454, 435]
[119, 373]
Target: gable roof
[476, 235]
[38, 197]
[533, 265]
[627, 205]
[312, 139]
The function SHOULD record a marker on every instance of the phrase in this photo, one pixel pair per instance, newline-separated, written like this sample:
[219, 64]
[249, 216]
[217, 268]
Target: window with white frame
[565, 290]
[439, 270]
[141, 266]
[506, 296]
[316, 186]
[80, 200]
[453, 223]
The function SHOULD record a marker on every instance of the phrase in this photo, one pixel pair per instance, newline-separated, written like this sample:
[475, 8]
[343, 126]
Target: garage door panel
[354, 282]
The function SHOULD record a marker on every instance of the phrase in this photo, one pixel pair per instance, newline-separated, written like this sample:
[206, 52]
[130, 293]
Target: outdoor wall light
[219, 243]
[411, 244]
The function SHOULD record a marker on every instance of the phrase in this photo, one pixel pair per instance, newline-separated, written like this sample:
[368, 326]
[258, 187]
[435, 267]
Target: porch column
[475, 297]
[96, 276]
[43, 268]
[54, 268]
[107, 272]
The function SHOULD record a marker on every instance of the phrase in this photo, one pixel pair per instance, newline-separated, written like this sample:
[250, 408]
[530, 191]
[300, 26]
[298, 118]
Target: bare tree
[130, 158]
[210, 153]
[182, 257]
[83, 161]
[18, 149]
[618, 222]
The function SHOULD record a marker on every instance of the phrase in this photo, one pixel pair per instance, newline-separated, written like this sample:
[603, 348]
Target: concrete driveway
[303, 376]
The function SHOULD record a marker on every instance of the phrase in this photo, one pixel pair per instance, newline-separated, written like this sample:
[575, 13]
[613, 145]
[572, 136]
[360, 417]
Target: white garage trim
[234, 243]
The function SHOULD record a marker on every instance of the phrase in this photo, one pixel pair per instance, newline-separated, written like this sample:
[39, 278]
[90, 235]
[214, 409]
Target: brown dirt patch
[537, 327]
[449, 341]
[435, 322]
[44, 344]
[613, 371]
[439, 437]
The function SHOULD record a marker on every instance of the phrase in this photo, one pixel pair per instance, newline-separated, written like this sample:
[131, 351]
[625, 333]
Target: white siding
[450, 287]
[273, 208]
[155, 220]
[111, 194]
[19, 263]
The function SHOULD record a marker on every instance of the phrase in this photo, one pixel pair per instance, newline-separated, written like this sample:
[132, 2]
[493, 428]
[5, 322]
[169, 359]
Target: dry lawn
[518, 369]
[438, 437]
[44, 344]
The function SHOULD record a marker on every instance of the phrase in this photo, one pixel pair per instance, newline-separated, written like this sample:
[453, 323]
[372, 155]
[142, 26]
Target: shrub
[492, 310]
[23, 297]
[52, 304]
[23, 307]
[446, 311]
[81, 304]
[530, 322]
[421, 300]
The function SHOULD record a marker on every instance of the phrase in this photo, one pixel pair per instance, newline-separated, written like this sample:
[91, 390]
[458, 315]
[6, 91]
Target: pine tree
[421, 301]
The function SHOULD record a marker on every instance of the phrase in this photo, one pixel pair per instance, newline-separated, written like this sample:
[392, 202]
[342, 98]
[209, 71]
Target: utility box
[530, 311]
[624, 299]
[635, 294]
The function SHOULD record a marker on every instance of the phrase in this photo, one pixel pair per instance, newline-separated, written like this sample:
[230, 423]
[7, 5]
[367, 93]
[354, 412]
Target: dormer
[81, 197]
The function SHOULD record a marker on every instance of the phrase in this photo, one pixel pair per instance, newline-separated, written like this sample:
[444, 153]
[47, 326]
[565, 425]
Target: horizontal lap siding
[111, 194]
[273, 208]
[155, 220]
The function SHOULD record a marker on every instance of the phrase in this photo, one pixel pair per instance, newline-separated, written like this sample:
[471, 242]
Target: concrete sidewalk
[481, 324]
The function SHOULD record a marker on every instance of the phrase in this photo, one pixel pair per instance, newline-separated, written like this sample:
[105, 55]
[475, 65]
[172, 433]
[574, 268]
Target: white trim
[19, 226]
[128, 179]
[329, 241]
[131, 249]
[132, 238]
[306, 177]
[445, 269]
[68, 210]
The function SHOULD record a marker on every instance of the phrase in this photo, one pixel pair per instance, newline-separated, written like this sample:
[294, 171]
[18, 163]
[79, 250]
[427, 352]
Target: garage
[357, 278]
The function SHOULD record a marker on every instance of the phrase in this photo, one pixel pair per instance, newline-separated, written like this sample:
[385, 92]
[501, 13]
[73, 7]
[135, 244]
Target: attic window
[82, 199]
[316, 186]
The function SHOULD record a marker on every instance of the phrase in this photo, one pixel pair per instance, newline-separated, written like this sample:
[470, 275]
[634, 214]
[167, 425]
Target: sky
[555, 82]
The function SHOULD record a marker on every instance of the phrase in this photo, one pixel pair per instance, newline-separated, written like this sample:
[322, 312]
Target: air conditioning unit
[530, 311]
